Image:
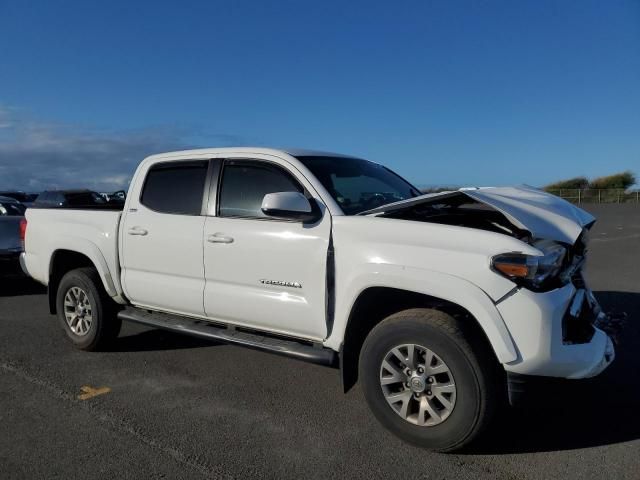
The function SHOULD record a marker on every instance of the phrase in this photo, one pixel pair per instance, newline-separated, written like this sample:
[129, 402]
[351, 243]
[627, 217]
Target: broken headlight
[536, 272]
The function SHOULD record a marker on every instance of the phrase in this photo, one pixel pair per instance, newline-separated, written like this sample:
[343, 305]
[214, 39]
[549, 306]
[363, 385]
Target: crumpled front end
[522, 212]
[563, 331]
[556, 324]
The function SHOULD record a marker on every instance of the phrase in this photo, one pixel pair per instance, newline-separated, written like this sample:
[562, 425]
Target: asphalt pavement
[164, 406]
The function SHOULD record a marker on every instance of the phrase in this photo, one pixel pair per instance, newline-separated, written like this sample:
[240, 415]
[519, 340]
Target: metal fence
[595, 195]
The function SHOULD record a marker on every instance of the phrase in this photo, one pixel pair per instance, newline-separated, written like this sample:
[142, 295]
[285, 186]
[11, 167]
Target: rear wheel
[426, 382]
[86, 313]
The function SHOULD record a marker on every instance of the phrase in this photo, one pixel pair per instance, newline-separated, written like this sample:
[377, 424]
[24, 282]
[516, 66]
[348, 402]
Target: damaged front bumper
[562, 333]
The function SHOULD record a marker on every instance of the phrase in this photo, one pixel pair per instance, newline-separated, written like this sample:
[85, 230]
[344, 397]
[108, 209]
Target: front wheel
[86, 313]
[426, 382]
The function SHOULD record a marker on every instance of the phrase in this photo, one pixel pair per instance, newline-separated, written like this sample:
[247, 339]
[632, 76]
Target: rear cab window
[175, 187]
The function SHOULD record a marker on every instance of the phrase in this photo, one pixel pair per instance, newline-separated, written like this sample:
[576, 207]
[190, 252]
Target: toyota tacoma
[434, 303]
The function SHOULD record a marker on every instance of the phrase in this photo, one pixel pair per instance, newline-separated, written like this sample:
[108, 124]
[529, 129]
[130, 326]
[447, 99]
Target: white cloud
[37, 155]
[5, 117]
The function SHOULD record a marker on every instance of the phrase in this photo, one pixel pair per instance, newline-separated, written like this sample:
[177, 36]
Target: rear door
[263, 272]
[161, 238]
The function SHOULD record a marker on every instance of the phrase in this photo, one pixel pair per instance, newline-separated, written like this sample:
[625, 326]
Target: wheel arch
[63, 260]
[375, 303]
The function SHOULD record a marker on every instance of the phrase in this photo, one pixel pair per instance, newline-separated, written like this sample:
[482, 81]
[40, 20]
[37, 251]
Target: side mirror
[291, 205]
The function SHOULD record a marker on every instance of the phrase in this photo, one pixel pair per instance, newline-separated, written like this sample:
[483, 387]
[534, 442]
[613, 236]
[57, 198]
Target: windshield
[358, 185]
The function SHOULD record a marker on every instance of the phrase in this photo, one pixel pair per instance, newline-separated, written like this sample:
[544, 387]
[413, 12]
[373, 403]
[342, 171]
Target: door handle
[137, 231]
[219, 238]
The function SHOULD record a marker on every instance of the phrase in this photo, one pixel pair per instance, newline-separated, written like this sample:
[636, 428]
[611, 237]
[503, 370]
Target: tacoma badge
[281, 283]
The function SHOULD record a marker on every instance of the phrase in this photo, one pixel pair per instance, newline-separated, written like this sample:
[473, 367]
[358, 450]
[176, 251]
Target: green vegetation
[622, 180]
[577, 182]
[619, 180]
[610, 189]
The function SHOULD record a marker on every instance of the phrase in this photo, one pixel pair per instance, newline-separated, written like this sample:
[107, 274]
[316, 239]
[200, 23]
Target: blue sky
[444, 92]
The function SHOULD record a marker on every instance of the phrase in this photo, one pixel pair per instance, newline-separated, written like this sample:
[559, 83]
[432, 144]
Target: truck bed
[91, 232]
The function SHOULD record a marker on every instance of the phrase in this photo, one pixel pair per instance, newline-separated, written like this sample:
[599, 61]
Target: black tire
[105, 325]
[472, 364]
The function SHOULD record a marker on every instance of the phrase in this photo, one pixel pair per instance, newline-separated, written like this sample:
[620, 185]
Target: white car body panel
[175, 268]
[269, 250]
[274, 252]
[535, 323]
[163, 268]
[93, 233]
[438, 261]
[157, 274]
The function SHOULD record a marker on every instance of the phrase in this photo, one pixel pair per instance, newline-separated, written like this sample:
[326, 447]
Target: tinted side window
[244, 185]
[175, 187]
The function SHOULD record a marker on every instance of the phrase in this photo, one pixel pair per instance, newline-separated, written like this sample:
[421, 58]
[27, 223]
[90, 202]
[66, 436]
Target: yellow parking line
[90, 392]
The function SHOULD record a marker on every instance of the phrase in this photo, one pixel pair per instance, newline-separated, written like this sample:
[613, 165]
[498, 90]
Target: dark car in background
[11, 216]
[69, 199]
[23, 197]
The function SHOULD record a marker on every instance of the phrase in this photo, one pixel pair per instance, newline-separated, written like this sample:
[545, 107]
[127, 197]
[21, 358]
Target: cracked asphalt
[183, 408]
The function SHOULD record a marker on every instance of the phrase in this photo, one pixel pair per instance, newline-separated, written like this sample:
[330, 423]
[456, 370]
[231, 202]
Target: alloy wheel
[418, 385]
[78, 311]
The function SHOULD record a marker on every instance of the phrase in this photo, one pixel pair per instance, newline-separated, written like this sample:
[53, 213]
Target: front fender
[435, 284]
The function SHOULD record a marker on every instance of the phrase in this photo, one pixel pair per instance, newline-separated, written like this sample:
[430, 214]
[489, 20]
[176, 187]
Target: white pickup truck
[441, 305]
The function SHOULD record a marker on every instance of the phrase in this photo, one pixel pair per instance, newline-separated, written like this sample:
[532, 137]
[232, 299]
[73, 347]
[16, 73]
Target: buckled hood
[541, 214]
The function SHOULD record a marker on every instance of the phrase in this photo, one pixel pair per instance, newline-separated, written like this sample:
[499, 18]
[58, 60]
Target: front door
[263, 272]
[161, 238]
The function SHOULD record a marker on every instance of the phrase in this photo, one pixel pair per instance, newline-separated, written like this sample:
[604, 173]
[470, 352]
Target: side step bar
[204, 329]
